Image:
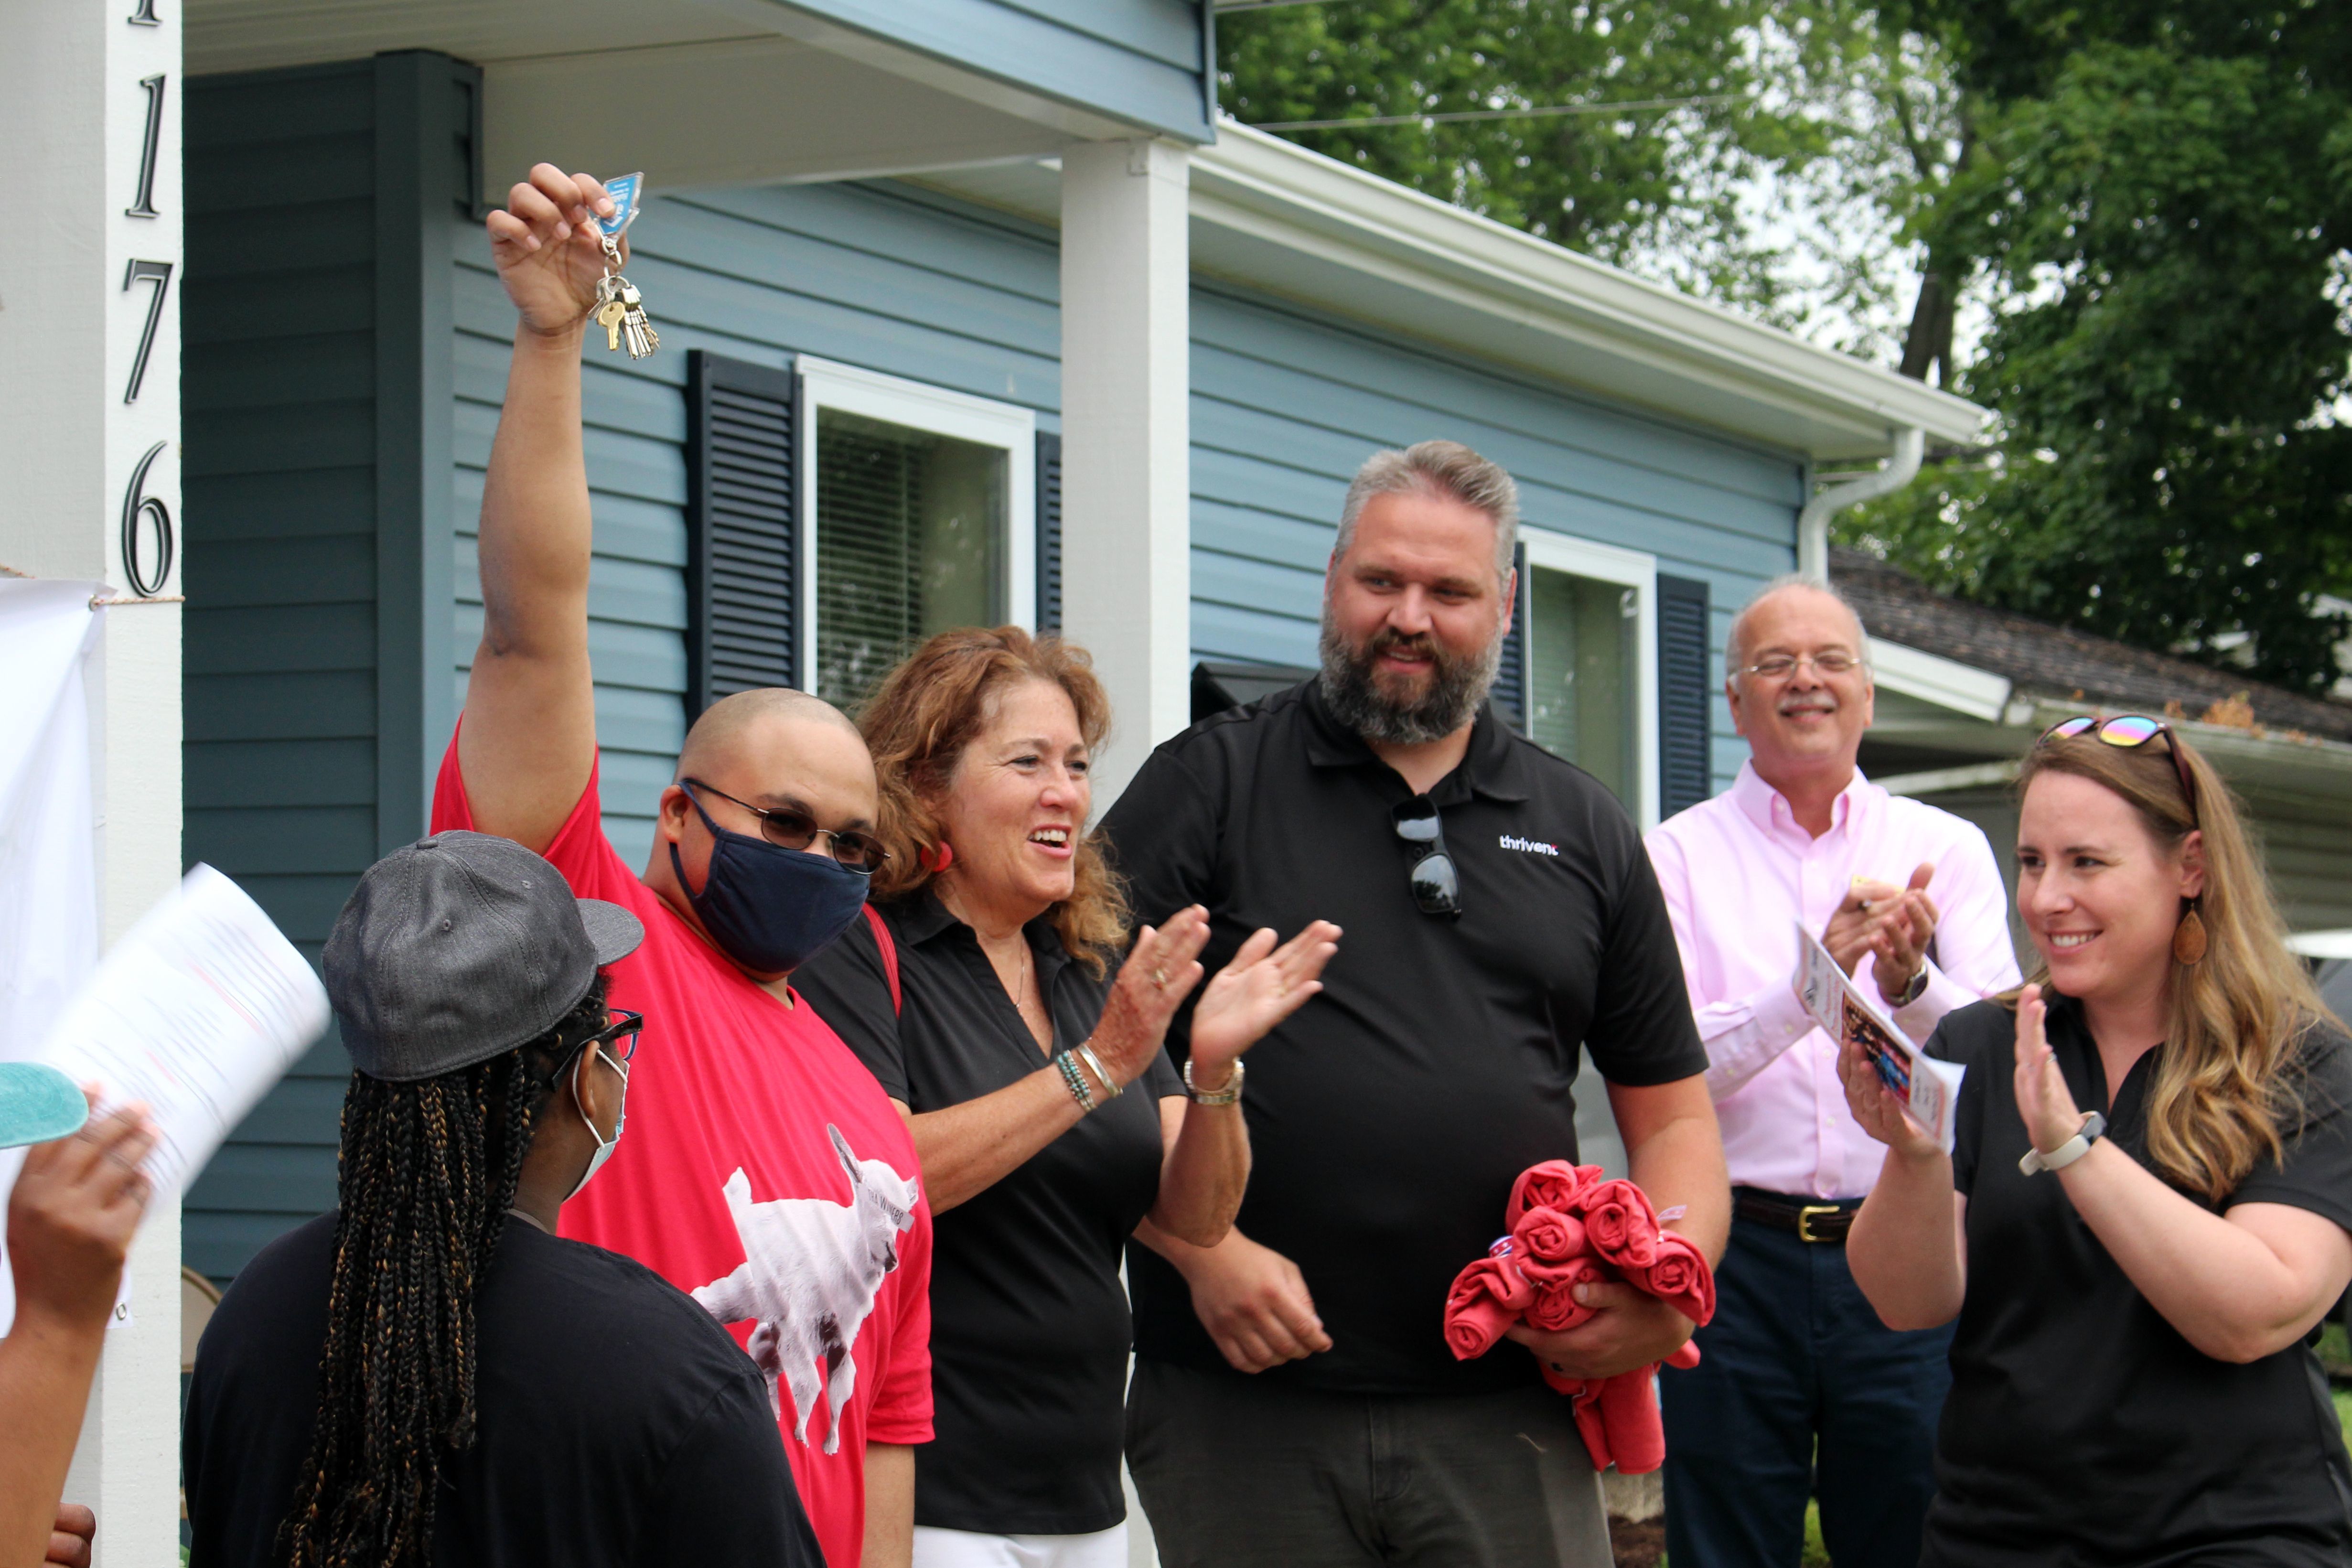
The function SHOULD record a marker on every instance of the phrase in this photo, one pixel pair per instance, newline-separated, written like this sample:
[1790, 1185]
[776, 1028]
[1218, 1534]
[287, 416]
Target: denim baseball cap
[38, 1103]
[460, 948]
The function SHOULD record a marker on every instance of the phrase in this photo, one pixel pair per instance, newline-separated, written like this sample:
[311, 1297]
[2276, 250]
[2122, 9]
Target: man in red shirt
[764, 1170]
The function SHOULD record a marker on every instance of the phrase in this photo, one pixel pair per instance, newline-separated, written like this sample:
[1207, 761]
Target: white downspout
[1813, 523]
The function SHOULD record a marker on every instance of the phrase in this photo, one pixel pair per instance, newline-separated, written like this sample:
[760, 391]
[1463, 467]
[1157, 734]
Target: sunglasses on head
[2128, 730]
[1436, 887]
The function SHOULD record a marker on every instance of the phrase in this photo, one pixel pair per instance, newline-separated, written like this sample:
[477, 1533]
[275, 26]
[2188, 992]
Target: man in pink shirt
[1802, 1391]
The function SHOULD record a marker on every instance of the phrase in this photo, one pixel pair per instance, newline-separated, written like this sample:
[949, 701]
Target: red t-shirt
[763, 1171]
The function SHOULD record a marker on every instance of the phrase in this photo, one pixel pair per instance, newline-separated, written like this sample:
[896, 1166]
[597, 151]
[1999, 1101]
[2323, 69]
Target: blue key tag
[626, 191]
[620, 308]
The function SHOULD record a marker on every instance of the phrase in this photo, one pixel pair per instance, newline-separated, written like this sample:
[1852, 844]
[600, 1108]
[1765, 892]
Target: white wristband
[2066, 1153]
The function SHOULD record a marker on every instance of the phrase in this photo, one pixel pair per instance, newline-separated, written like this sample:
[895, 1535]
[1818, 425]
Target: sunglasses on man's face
[2128, 730]
[789, 829]
[1436, 886]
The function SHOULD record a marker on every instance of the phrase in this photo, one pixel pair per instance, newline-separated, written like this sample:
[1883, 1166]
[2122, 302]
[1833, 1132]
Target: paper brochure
[1929, 1089]
[195, 1012]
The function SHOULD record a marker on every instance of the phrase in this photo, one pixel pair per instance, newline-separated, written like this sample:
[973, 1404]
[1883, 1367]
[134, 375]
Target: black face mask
[770, 909]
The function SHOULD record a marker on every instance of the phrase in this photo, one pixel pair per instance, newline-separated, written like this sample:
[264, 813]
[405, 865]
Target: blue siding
[1143, 62]
[279, 689]
[1286, 405]
[875, 275]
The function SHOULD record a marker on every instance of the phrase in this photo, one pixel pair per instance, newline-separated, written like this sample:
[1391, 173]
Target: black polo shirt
[1029, 1322]
[1389, 1117]
[2082, 1429]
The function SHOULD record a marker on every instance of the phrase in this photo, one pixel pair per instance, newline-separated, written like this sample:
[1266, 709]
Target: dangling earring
[2189, 939]
[937, 860]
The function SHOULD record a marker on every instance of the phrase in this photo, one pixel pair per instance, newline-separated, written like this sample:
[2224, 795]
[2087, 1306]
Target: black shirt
[1029, 1322]
[617, 1423]
[1388, 1116]
[2082, 1429]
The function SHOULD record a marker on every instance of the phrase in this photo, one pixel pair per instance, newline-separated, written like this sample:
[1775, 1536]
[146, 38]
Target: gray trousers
[1234, 1471]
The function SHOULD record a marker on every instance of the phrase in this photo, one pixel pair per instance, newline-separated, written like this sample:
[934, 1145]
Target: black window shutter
[742, 461]
[1686, 696]
[1510, 693]
[1049, 532]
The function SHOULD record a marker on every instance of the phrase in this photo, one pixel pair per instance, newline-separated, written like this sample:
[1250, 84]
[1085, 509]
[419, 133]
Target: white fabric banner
[48, 843]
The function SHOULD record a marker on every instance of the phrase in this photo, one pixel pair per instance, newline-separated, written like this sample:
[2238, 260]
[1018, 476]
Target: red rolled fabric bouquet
[1569, 1227]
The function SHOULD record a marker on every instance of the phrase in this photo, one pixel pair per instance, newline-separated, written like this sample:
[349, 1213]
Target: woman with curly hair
[987, 994]
[2147, 1208]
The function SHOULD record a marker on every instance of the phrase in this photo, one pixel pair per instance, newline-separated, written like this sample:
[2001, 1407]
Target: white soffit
[1271, 215]
[1945, 683]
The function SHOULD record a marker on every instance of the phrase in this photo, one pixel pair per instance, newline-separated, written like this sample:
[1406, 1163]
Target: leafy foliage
[1755, 109]
[2159, 210]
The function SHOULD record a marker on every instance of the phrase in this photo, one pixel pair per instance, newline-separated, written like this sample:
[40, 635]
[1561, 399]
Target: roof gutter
[1813, 523]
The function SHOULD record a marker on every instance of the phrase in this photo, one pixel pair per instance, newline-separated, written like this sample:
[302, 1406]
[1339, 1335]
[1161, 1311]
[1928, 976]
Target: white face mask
[605, 1146]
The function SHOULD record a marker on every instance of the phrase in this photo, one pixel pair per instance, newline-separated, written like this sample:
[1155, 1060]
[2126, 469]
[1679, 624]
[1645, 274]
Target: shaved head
[718, 735]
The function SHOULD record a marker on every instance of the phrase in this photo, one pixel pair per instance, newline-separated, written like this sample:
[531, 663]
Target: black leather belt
[1816, 1222]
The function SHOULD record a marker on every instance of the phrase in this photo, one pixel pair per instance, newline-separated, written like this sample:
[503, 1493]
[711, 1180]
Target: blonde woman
[2145, 1214]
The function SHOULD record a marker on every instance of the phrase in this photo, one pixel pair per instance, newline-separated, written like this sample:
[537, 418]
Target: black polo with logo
[1388, 1116]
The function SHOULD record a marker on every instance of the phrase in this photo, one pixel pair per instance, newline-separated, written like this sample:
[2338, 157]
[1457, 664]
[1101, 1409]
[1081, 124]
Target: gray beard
[1456, 688]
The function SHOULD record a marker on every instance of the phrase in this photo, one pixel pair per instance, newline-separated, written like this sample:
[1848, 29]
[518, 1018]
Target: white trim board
[1271, 215]
[1945, 683]
[825, 383]
[1638, 570]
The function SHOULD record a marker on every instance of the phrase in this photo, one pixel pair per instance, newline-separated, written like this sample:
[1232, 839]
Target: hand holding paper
[1906, 1078]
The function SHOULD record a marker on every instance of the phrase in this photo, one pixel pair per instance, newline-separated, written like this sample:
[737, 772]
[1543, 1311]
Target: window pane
[910, 541]
[1580, 675]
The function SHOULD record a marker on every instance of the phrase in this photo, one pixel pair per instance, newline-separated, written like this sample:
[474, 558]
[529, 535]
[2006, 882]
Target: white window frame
[852, 389]
[1634, 569]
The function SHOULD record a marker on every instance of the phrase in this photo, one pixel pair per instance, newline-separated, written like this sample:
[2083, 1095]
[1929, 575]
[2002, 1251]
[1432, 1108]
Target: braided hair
[425, 1175]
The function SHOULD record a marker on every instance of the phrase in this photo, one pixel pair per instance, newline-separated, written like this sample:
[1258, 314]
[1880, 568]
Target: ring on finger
[1158, 977]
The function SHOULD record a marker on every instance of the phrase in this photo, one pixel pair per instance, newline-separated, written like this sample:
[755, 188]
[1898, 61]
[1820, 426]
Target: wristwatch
[1915, 990]
[2066, 1153]
[1228, 1095]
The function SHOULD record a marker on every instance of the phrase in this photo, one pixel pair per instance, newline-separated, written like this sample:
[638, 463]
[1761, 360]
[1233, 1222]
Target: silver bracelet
[1228, 1095]
[1112, 1087]
[1076, 1081]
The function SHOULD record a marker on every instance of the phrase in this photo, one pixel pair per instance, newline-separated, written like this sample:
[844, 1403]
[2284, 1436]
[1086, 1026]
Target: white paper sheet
[1929, 1089]
[196, 1012]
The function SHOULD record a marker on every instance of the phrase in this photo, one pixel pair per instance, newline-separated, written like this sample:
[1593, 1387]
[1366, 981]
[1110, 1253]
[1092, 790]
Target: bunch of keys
[620, 309]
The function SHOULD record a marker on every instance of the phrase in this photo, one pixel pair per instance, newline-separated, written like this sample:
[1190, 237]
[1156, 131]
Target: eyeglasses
[790, 829]
[621, 1031]
[2129, 730]
[1436, 887]
[1781, 666]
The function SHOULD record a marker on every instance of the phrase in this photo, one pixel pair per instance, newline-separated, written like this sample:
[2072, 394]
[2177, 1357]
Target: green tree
[2159, 205]
[1695, 122]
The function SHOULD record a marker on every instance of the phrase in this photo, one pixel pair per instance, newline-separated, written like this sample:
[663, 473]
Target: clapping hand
[1893, 924]
[549, 251]
[2044, 1101]
[1262, 987]
[1159, 973]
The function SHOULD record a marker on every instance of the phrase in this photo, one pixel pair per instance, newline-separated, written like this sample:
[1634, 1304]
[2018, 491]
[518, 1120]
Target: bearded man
[1294, 1399]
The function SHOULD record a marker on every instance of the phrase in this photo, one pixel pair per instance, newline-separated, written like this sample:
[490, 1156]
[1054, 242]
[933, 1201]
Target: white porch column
[1127, 576]
[90, 111]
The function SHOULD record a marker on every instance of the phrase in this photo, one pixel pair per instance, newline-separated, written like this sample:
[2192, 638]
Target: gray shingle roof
[2043, 660]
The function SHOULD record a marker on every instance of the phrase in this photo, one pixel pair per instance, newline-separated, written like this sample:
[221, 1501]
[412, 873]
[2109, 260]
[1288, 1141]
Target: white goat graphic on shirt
[811, 1268]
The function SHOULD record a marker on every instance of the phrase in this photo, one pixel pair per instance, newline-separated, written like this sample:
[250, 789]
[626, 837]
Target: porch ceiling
[695, 92]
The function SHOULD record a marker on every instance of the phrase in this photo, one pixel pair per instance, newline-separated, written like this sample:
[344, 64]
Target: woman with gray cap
[431, 1375]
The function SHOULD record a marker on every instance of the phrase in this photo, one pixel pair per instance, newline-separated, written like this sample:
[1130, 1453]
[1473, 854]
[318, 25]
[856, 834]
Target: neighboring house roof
[1275, 217]
[2056, 666]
